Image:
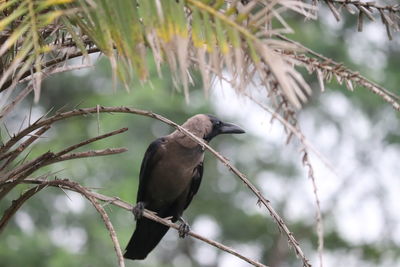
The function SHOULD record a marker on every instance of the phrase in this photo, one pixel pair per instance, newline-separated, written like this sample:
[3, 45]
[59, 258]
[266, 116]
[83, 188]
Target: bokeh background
[357, 133]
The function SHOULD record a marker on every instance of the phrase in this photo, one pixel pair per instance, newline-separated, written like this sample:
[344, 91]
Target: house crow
[170, 176]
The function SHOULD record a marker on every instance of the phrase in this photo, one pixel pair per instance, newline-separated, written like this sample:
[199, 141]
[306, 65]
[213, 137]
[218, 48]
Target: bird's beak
[230, 128]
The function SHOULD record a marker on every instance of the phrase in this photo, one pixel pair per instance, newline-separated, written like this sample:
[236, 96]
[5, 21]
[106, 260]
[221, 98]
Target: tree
[243, 43]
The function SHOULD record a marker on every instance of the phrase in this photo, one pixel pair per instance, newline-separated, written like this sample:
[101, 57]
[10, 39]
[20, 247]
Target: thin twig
[84, 191]
[21, 172]
[306, 145]
[296, 132]
[48, 158]
[7, 109]
[66, 184]
[91, 140]
[320, 224]
[86, 154]
[26, 166]
[13, 154]
[16, 204]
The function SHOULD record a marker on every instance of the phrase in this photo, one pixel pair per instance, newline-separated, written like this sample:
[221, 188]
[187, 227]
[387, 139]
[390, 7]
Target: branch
[16, 204]
[320, 225]
[69, 185]
[100, 109]
[91, 140]
[13, 154]
[28, 165]
[66, 184]
[8, 108]
[87, 154]
[20, 173]
[86, 192]
[295, 129]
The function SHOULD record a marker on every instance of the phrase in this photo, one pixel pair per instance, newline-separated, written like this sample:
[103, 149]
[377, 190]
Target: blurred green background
[356, 131]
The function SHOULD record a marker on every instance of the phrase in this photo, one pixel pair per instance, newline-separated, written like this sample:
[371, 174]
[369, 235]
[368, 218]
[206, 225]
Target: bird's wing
[151, 157]
[195, 184]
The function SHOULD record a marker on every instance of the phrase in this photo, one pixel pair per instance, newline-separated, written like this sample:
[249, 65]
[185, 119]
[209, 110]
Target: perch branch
[70, 185]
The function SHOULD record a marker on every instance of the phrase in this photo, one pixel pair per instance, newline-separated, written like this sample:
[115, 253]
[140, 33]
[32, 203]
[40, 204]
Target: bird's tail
[147, 235]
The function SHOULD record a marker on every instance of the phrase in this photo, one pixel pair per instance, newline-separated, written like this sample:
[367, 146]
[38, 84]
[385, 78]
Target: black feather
[147, 235]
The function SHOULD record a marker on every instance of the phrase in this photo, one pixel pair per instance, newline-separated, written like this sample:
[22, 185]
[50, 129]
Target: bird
[170, 176]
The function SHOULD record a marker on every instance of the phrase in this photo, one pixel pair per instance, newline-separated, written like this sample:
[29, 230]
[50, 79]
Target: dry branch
[93, 197]
[16, 204]
[13, 154]
[19, 173]
[86, 192]
[87, 154]
[91, 140]
[320, 225]
[295, 130]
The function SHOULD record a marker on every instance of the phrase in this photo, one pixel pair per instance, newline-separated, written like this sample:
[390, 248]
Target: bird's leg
[138, 210]
[184, 228]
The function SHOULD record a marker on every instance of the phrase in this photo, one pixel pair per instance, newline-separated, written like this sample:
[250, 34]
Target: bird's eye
[218, 123]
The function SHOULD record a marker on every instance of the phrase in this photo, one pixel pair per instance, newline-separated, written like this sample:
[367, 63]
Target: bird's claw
[183, 230]
[138, 210]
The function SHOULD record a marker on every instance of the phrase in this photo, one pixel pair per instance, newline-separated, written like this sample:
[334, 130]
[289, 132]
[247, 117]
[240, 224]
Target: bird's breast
[173, 175]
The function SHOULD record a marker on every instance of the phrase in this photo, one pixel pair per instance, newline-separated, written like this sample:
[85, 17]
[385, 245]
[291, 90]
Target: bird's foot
[184, 228]
[138, 210]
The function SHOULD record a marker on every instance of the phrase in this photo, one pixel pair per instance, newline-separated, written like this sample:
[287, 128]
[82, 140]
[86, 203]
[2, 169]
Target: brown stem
[16, 204]
[13, 154]
[17, 175]
[91, 140]
[69, 185]
[86, 154]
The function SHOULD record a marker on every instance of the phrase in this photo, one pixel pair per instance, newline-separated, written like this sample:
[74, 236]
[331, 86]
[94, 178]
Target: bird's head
[207, 127]
[219, 127]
